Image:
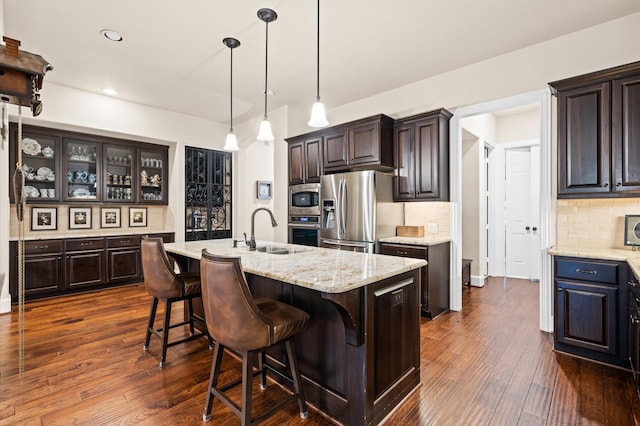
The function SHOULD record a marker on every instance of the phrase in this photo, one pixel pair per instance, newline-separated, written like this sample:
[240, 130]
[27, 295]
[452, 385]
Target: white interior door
[521, 213]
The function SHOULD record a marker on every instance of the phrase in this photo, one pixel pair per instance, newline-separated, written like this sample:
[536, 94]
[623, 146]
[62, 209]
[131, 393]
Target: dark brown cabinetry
[75, 167]
[357, 145]
[634, 330]
[123, 258]
[85, 262]
[305, 161]
[598, 130]
[434, 292]
[591, 309]
[43, 267]
[421, 144]
[57, 267]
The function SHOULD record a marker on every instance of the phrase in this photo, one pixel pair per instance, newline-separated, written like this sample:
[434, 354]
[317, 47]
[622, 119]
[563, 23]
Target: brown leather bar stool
[163, 283]
[248, 327]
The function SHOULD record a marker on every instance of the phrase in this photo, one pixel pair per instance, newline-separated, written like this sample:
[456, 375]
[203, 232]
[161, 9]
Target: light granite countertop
[422, 241]
[623, 255]
[89, 233]
[321, 269]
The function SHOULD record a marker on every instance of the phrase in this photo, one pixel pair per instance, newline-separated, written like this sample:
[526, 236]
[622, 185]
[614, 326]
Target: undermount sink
[278, 250]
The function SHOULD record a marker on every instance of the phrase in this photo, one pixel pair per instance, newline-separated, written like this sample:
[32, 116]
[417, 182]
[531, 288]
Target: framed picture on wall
[44, 218]
[79, 217]
[110, 217]
[137, 216]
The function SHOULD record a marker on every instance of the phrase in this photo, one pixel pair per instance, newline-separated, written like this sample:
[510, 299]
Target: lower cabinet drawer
[587, 270]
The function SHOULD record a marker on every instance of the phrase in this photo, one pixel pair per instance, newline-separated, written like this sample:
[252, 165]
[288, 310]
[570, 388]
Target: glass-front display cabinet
[153, 165]
[40, 165]
[82, 180]
[119, 168]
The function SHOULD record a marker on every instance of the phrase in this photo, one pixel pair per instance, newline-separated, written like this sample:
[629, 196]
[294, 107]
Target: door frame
[547, 203]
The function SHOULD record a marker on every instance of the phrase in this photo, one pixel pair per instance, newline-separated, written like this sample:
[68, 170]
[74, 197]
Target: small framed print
[137, 216]
[632, 230]
[264, 190]
[44, 218]
[79, 217]
[110, 217]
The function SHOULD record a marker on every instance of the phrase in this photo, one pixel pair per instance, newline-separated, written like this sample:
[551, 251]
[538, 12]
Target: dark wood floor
[486, 365]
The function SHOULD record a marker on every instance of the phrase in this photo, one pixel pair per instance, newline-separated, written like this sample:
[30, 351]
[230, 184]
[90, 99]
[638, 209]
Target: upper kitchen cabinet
[118, 173]
[82, 169]
[153, 166]
[421, 144]
[598, 133]
[40, 154]
[62, 166]
[365, 144]
[305, 160]
[358, 145]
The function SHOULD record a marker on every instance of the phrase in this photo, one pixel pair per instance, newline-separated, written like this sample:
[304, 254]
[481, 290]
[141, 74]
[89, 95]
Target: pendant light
[266, 16]
[318, 114]
[231, 144]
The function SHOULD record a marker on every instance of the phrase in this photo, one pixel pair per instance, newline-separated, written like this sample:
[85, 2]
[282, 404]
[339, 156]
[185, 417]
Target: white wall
[518, 127]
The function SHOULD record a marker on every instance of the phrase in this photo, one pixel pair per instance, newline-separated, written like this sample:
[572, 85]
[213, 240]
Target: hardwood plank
[488, 364]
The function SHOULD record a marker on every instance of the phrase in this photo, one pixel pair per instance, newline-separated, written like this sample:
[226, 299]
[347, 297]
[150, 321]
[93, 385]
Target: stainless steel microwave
[304, 199]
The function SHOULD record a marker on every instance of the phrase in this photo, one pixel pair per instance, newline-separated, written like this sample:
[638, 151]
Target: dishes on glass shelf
[31, 146]
[44, 172]
[80, 193]
[30, 191]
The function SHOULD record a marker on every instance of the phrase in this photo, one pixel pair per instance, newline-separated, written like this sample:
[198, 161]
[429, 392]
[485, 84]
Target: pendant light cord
[318, 57]
[231, 94]
[266, 58]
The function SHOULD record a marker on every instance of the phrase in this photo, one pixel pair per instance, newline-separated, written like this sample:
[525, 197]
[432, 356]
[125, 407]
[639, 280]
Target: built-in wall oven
[304, 199]
[304, 230]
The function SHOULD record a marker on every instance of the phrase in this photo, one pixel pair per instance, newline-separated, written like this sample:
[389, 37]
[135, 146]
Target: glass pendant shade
[231, 143]
[265, 133]
[318, 115]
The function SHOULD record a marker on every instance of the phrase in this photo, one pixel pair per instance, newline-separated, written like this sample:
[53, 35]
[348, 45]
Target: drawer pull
[586, 271]
[401, 253]
[633, 283]
[125, 241]
[85, 244]
[634, 320]
[41, 247]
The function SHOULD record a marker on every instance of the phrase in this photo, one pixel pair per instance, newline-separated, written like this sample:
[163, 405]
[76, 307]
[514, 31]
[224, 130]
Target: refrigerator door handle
[343, 206]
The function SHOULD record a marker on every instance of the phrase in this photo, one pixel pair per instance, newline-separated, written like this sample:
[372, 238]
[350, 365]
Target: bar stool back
[249, 327]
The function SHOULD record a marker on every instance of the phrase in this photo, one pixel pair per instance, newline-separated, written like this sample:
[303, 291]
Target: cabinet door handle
[560, 289]
[527, 228]
[619, 184]
[606, 184]
[535, 228]
[633, 283]
[586, 271]
[634, 320]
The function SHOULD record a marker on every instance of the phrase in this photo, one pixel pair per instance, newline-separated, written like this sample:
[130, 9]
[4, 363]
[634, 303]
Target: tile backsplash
[594, 223]
[427, 213]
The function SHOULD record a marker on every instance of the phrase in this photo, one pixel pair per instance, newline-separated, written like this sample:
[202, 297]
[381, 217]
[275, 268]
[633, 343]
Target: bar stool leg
[165, 331]
[263, 370]
[152, 318]
[191, 329]
[247, 382]
[213, 380]
[295, 375]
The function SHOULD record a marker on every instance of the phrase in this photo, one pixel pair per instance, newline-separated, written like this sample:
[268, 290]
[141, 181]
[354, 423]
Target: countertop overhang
[321, 269]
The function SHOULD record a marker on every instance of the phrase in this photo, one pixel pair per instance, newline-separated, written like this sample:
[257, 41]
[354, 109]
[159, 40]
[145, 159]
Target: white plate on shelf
[44, 171]
[31, 146]
[80, 192]
[30, 191]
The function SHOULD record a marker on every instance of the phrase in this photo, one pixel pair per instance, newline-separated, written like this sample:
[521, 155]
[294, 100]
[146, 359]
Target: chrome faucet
[252, 242]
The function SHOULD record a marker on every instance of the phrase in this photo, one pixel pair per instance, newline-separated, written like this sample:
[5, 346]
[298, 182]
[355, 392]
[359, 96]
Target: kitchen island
[361, 355]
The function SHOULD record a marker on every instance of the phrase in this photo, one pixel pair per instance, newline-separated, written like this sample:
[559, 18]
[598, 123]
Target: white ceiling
[173, 57]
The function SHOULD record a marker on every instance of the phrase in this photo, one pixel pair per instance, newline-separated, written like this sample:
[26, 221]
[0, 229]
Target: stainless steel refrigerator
[357, 210]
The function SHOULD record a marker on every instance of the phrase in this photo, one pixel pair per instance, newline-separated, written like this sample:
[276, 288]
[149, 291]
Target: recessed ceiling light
[109, 91]
[112, 35]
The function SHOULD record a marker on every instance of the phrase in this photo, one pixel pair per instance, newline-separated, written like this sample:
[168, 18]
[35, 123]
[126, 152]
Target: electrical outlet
[432, 228]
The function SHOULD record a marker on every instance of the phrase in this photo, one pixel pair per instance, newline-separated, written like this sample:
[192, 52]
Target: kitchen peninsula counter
[360, 356]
